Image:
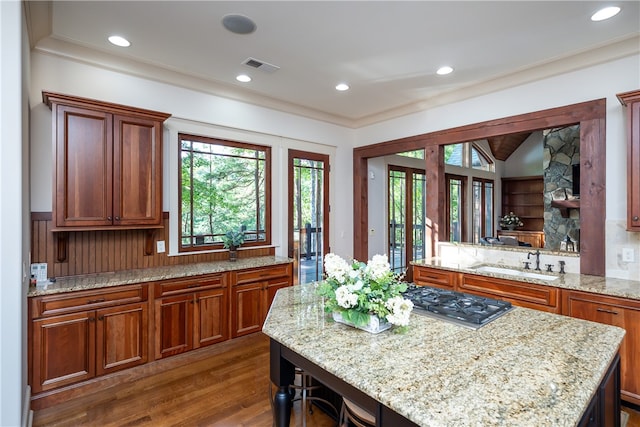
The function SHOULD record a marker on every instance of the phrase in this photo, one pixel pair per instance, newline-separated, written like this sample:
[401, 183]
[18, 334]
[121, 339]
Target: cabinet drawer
[178, 286]
[520, 293]
[50, 305]
[434, 277]
[246, 276]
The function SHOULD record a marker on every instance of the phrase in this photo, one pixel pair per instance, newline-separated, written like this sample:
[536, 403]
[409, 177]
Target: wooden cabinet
[620, 312]
[107, 164]
[190, 313]
[604, 408]
[632, 102]
[523, 294]
[524, 196]
[425, 276]
[251, 296]
[80, 335]
[534, 238]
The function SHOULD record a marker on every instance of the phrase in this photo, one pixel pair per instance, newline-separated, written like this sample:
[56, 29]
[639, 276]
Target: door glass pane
[455, 210]
[488, 209]
[477, 211]
[397, 208]
[419, 214]
[308, 218]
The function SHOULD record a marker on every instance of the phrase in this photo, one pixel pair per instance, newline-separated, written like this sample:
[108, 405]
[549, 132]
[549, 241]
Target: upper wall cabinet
[107, 164]
[632, 101]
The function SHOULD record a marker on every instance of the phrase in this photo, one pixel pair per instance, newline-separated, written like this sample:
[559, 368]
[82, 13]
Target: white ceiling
[387, 51]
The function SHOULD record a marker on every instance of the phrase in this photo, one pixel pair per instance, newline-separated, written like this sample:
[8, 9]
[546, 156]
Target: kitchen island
[524, 368]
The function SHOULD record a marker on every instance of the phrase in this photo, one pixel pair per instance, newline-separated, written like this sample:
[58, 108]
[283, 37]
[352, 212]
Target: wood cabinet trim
[190, 284]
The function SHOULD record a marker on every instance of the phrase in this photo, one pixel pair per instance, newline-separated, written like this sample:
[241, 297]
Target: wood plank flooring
[221, 386]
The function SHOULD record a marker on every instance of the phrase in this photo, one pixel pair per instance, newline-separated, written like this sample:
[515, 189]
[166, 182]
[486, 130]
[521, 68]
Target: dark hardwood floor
[223, 385]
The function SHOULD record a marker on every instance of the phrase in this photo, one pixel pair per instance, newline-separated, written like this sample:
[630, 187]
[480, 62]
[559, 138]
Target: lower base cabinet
[192, 314]
[81, 343]
[617, 312]
[252, 294]
[604, 409]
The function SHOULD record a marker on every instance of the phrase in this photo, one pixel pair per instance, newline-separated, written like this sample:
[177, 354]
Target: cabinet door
[613, 311]
[210, 320]
[137, 171]
[247, 308]
[272, 287]
[63, 350]
[174, 325]
[633, 166]
[121, 337]
[83, 167]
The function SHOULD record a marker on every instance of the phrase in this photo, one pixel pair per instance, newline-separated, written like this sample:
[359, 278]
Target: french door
[407, 193]
[308, 214]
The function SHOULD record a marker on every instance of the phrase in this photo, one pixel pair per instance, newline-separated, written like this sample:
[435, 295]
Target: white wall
[12, 282]
[202, 114]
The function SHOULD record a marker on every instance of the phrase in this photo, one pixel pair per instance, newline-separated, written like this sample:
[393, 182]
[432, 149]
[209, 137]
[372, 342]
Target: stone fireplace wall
[561, 150]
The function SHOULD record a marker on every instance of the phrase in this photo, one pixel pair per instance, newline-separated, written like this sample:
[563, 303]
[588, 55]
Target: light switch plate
[628, 255]
[160, 246]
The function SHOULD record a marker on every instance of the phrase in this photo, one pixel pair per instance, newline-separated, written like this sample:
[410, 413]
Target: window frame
[267, 203]
[483, 196]
[462, 208]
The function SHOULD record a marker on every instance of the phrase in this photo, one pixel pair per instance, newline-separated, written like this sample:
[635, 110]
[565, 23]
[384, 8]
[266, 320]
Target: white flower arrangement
[510, 219]
[358, 290]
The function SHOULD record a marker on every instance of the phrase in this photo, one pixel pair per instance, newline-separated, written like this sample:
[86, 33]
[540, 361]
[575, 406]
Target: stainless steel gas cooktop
[471, 311]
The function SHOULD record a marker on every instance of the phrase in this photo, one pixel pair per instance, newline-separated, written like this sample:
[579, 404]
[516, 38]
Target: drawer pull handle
[93, 301]
[604, 310]
[194, 285]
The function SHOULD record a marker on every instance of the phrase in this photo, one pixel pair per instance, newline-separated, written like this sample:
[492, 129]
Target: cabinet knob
[109, 218]
[101, 318]
[635, 218]
[117, 218]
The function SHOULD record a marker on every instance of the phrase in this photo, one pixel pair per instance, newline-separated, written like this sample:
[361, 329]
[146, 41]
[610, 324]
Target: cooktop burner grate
[468, 310]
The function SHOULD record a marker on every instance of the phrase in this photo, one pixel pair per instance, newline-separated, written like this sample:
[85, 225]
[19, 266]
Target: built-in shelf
[565, 205]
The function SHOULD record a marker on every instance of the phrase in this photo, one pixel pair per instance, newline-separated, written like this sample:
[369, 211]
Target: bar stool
[301, 391]
[350, 412]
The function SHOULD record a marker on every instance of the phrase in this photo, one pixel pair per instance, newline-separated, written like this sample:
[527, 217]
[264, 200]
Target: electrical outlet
[160, 246]
[372, 231]
[628, 255]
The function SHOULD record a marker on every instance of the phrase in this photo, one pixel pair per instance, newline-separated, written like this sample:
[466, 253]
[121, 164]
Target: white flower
[355, 287]
[336, 268]
[400, 310]
[378, 267]
[344, 298]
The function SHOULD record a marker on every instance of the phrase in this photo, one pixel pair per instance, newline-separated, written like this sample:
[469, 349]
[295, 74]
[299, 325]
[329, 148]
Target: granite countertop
[527, 367]
[579, 282]
[103, 280]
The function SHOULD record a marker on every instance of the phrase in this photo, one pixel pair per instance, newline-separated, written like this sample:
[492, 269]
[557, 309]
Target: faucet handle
[549, 268]
[526, 265]
[561, 262]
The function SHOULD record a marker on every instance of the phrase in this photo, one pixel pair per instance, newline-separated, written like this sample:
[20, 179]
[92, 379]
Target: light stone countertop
[526, 368]
[103, 280]
[579, 282]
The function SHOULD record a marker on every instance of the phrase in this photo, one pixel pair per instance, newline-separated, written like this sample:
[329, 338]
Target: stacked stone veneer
[561, 150]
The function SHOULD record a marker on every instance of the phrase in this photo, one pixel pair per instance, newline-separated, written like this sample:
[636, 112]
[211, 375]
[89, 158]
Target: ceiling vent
[261, 65]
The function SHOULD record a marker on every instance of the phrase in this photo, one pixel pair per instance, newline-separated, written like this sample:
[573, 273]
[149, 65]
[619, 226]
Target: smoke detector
[260, 65]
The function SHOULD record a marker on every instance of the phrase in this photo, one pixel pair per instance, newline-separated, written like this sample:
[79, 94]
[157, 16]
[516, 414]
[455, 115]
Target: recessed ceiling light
[238, 24]
[342, 87]
[444, 70]
[119, 41]
[605, 13]
[243, 78]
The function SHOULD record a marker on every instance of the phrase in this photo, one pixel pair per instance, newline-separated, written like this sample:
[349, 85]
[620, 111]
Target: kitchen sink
[514, 272]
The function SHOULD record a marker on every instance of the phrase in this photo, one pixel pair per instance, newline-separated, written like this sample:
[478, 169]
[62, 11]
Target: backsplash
[619, 240]
[511, 256]
[90, 252]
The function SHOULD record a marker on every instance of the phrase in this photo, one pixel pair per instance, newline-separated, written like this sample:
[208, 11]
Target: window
[224, 186]
[482, 222]
[480, 160]
[453, 154]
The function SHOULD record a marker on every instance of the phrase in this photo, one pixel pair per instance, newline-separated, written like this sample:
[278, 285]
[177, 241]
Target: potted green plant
[232, 241]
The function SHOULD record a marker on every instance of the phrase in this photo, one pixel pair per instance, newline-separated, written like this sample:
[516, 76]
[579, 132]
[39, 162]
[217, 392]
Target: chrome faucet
[537, 254]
